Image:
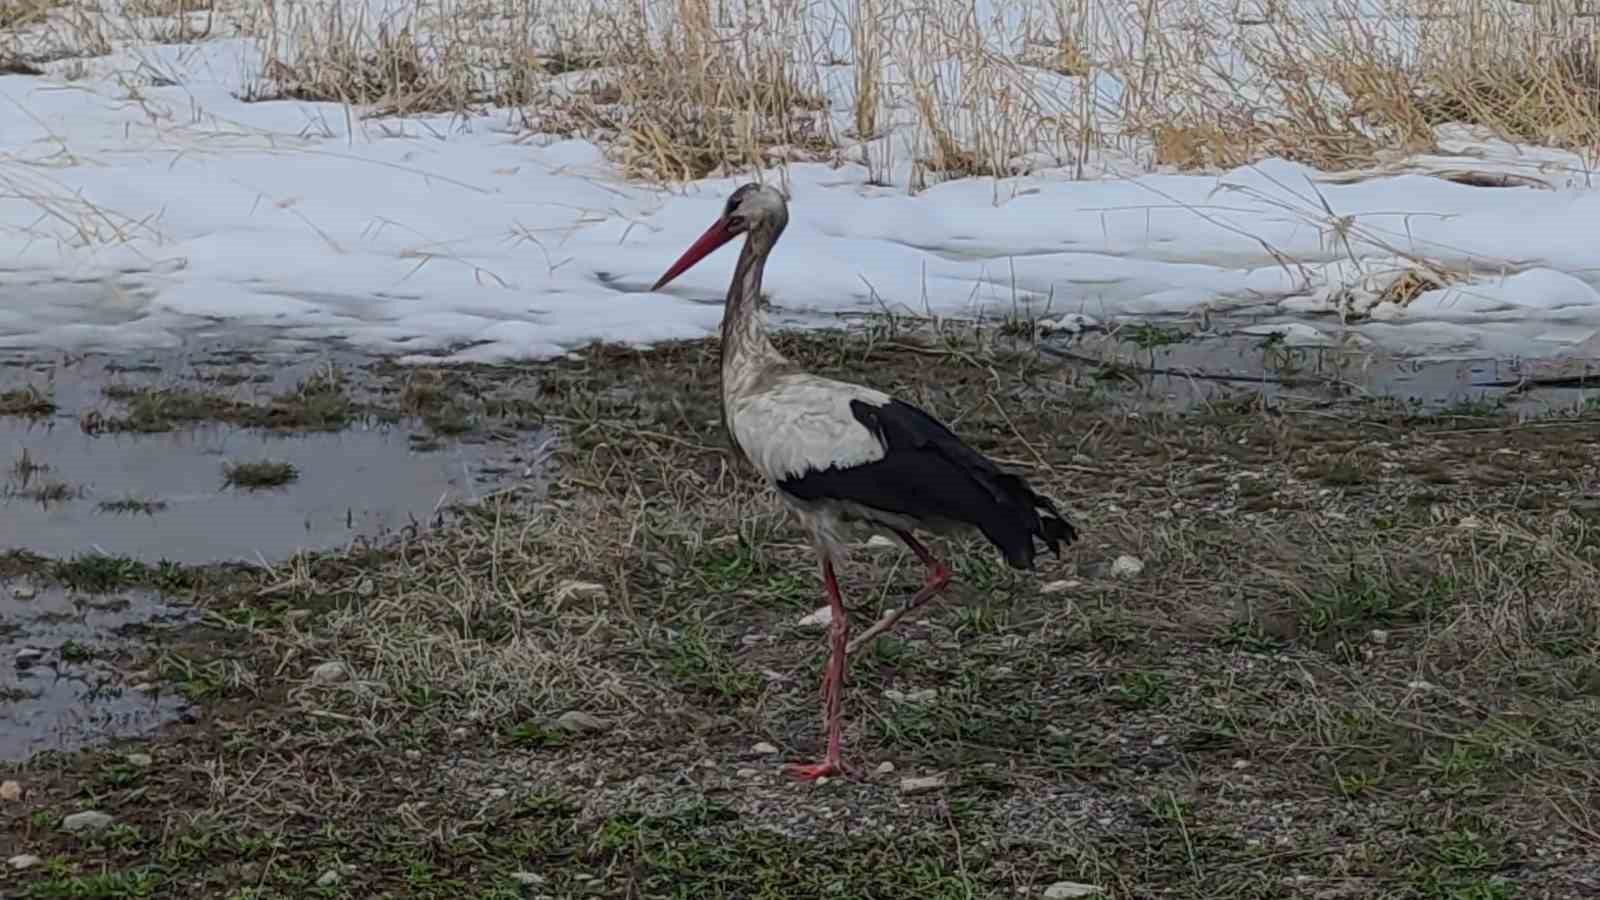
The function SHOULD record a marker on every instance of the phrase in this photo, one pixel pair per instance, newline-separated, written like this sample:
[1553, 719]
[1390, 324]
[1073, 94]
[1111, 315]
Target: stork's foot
[828, 768]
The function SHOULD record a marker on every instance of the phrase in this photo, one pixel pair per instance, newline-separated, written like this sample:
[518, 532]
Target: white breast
[803, 423]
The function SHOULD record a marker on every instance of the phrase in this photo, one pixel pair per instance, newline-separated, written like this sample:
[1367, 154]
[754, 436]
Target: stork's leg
[938, 577]
[832, 682]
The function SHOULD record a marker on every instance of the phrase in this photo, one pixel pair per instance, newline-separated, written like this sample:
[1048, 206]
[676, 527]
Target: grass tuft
[17, 14]
[131, 506]
[258, 475]
[318, 404]
[27, 401]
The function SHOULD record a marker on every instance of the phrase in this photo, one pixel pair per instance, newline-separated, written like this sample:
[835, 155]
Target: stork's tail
[1032, 515]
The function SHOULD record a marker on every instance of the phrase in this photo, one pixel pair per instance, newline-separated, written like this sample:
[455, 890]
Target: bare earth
[1359, 661]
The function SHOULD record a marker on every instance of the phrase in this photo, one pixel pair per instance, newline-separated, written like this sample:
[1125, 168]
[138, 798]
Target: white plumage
[842, 455]
[802, 423]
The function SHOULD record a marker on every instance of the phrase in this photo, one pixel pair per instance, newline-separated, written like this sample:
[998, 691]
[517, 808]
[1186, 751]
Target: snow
[145, 212]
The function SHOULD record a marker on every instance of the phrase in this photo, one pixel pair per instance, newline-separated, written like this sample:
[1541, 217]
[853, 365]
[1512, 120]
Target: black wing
[927, 473]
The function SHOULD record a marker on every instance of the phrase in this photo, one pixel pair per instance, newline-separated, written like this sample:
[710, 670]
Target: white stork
[845, 457]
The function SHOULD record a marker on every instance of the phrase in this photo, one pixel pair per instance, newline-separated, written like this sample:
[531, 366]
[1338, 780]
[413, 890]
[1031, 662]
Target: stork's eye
[735, 222]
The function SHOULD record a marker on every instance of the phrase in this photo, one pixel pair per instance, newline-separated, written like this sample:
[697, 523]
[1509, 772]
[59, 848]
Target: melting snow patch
[453, 238]
[1290, 334]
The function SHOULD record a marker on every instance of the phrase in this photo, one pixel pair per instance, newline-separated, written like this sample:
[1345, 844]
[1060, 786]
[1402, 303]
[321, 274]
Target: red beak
[715, 236]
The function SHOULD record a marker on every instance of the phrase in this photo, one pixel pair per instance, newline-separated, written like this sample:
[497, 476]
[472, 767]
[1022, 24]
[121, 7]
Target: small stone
[1470, 522]
[497, 793]
[142, 760]
[879, 542]
[24, 592]
[143, 687]
[330, 672]
[885, 768]
[764, 748]
[527, 878]
[330, 878]
[1063, 890]
[822, 618]
[365, 587]
[1126, 566]
[921, 785]
[1056, 587]
[926, 695]
[576, 721]
[23, 861]
[28, 656]
[747, 773]
[88, 820]
[1378, 636]
[10, 791]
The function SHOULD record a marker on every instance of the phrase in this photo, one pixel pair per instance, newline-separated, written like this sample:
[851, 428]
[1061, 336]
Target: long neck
[747, 353]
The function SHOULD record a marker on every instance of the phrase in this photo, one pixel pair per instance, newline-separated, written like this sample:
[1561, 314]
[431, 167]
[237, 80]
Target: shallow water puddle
[134, 459]
[1179, 368]
[163, 496]
[140, 457]
[60, 686]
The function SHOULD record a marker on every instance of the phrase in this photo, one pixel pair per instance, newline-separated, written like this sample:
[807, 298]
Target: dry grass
[918, 90]
[23, 13]
[681, 89]
[1357, 662]
[165, 9]
[27, 401]
[1343, 89]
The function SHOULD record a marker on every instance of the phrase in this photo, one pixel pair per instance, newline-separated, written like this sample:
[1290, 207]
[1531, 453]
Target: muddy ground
[1356, 658]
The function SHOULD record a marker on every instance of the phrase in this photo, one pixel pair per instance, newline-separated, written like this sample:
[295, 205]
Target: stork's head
[756, 208]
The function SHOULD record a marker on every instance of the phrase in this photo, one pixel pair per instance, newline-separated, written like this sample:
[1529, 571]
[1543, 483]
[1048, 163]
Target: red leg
[938, 578]
[832, 681]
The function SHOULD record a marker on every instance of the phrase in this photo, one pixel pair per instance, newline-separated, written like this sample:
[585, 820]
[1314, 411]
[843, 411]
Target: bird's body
[793, 428]
[846, 458]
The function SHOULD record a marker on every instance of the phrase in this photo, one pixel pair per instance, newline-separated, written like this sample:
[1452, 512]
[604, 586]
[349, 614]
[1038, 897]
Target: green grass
[131, 506]
[319, 403]
[1345, 689]
[50, 492]
[259, 474]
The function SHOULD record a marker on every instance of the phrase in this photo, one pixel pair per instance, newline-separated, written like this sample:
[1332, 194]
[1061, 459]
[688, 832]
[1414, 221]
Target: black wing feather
[927, 473]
